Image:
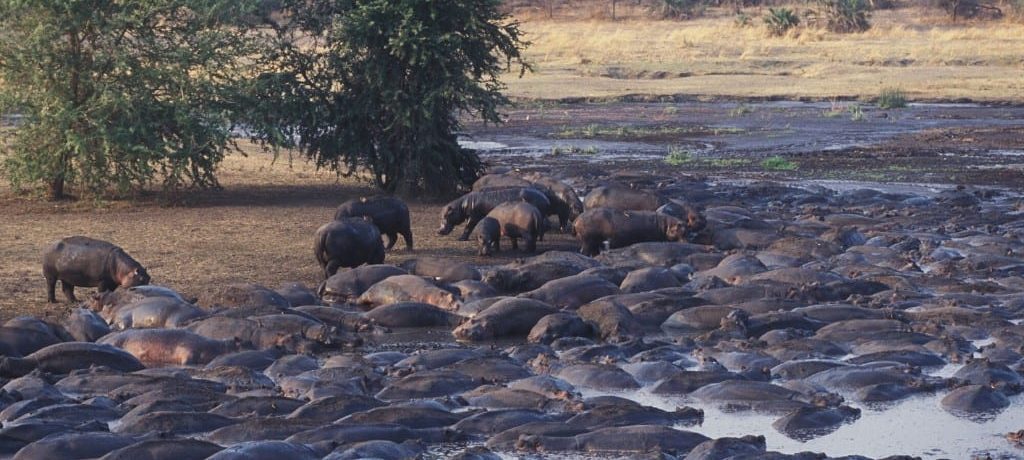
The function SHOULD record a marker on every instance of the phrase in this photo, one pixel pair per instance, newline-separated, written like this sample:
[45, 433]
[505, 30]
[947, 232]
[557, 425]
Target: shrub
[892, 98]
[842, 16]
[780, 21]
[681, 9]
[677, 157]
[743, 20]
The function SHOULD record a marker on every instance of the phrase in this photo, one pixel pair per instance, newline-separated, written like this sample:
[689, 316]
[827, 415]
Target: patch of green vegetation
[741, 110]
[892, 98]
[856, 113]
[573, 150]
[670, 110]
[728, 162]
[777, 163]
[780, 20]
[677, 157]
[743, 20]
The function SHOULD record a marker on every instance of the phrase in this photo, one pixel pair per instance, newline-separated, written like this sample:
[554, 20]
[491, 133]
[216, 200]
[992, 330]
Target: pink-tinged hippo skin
[169, 346]
[409, 288]
[623, 228]
[87, 262]
[389, 214]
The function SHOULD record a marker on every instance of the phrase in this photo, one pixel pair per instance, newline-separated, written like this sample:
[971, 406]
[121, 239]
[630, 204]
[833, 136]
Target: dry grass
[916, 49]
[259, 229]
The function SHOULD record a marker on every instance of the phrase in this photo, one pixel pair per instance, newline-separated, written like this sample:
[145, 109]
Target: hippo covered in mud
[519, 220]
[623, 198]
[565, 203]
[474, 206]
[623, 228]
[347, 242]
[86, 262]
[389, 214]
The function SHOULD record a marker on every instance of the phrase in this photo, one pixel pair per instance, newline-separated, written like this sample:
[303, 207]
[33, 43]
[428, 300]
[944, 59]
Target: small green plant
[777, 163]
[892, 98]
[592, 150]
[743, 20]
[780, 20]
[677, 157]
[741, 110]
[856, 113]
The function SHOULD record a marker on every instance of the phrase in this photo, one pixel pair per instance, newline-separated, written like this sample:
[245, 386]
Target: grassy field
[915, 49]
[259, 229]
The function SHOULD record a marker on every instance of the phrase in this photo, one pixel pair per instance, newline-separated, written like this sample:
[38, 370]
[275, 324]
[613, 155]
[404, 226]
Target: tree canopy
[378, 85]
[119, 92]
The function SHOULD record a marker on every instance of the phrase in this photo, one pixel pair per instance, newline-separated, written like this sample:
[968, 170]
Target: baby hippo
[83, 261]
[488, 234]
[519, 219]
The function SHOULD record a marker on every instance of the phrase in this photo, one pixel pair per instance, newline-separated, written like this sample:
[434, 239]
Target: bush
[842, 16]
[892, 98]
[780, 21]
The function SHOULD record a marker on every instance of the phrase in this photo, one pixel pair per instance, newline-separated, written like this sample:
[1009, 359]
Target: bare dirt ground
[258, 229]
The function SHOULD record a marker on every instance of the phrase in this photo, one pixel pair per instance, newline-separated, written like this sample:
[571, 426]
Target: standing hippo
[474, 206]
[389, 214]
[519, 220]
[488, 234]
[83, 261]
[623, 198]
[623, 228]
[563, 198]
[347, 242]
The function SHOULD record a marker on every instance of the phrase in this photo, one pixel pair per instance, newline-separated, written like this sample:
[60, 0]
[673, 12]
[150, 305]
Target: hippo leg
[69, 291]
[469, 228]
[515, 243]
[531, 242]
[392, 239]
[51, 288]
[563, 222]
[407, 236]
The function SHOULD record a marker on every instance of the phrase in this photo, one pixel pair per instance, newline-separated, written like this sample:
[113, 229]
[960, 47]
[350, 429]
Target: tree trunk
[57, 188]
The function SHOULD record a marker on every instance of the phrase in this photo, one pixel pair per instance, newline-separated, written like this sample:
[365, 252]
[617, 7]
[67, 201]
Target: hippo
[297, 294]
[488, 236]
[623, 198]
[409, 288]
[176, 422]
[329, 409]
[564, 202]
[995, 375]
[260, 427]
[973, 399]
[610, 415]
[441, 269]
[427, 384]
[258, 406]
[169, 346]
[348, 285]
[180, 449]
[513, 317]
[16, 341]
[810, 422]
[266, 450]
[635, 438]
[347, 242]
[572, 291]
[412, 416]
[238, 296]
[649, 279]
[389, 214]
[62, 358]
[598, 376]
[611, 320]
[558, 325]
[532, 273]
[84, 325]
[623, 228]
[412, 314]
[476, 205]
[519, 220]
[86, 262]
[378, 449]
[495, 421]
[744, 447]
[154, 312]
[500, 181]
[74, 445]
[490, 369]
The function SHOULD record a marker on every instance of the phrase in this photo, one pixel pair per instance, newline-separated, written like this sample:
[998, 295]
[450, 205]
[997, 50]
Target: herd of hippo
[799, 302]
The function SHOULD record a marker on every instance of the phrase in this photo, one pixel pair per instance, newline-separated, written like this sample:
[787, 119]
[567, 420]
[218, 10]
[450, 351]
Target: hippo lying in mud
[623, 228]
[389, 214]
[83, 261]
[474, 206]
[347, 242]
[623, 198]
[515, 221]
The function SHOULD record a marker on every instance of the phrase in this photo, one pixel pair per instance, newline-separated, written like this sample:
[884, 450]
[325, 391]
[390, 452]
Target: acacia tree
[378, 85]
[115, 93]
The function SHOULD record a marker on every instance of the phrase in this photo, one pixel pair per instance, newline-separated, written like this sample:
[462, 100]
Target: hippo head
[486, 248]
[136, 277]
[675, 231]
[695, 221]
[451, 216]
